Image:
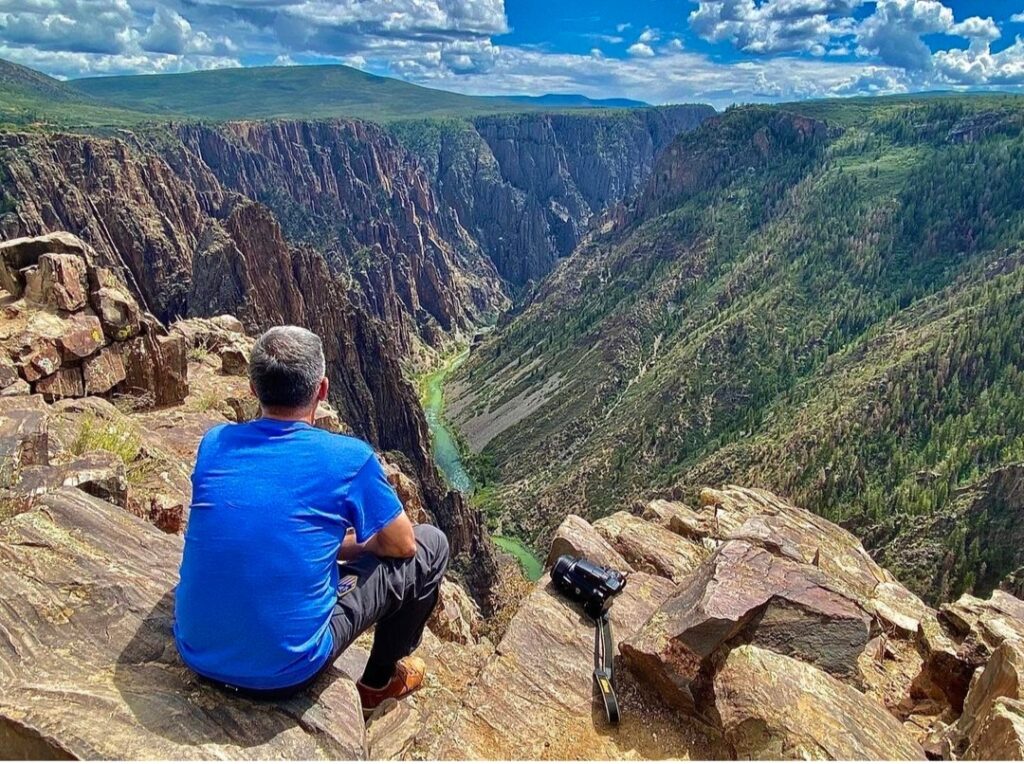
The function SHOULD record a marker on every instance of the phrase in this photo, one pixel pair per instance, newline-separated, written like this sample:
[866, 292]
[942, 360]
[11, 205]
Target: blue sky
[661, 51]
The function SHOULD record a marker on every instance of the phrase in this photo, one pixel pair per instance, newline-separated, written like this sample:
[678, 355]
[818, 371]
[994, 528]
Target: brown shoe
[408, 678]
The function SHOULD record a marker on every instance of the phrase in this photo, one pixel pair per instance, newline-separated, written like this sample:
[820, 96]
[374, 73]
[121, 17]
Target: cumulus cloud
[171, 33]
[774, 26]
[788, 49]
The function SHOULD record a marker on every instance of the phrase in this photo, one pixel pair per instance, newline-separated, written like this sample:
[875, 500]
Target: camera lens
[562, 566]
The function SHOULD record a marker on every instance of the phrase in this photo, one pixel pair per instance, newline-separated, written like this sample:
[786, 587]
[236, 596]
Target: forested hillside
[825, 300]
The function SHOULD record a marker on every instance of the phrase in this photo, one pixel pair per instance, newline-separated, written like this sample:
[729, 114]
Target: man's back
[272, 501]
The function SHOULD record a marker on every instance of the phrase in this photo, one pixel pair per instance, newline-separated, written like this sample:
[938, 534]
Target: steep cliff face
[352, 192]
[191, 247]
[827, 308]
[528, 185]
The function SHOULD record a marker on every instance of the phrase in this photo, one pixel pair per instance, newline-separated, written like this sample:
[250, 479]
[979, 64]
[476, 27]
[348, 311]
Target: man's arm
[395, 539]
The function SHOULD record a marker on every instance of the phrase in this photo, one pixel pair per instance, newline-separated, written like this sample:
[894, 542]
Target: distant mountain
[576, 101]
[306, 92]
[28, 96]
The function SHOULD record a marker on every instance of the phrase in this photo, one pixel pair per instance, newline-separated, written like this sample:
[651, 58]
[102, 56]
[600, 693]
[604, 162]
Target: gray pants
[395, 595]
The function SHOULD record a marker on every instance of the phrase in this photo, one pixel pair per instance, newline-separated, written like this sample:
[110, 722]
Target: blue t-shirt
[271, 503]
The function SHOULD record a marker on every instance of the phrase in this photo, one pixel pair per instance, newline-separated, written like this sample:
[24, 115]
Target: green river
[449, 460]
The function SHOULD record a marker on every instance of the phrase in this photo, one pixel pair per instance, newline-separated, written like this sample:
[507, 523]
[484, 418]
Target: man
[262, 606]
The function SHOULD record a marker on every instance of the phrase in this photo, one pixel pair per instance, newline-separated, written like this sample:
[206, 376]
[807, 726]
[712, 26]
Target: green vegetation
[118, 437]
[293, 92]
[29, 98]
[830, 311]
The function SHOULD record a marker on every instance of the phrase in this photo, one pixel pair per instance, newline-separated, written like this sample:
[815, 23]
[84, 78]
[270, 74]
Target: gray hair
[286, 366]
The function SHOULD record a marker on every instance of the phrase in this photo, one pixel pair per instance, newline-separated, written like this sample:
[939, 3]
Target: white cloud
[774, 26]
[791, 48]
[648, 35]
[171, 33]
[1017, 18]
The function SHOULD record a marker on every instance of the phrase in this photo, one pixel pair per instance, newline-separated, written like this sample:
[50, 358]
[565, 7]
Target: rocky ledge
[749, 628]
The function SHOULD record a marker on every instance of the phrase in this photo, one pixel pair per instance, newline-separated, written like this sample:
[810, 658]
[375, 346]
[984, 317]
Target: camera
[590, 584]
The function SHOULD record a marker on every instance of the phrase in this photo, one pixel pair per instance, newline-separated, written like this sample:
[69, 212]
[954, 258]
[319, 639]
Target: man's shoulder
[353, 447]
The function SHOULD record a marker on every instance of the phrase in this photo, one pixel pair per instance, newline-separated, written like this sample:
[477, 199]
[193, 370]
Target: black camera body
[585, 582]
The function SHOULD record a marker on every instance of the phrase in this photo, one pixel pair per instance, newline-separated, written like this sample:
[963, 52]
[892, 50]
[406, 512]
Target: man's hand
[350, 548]
[395, 539]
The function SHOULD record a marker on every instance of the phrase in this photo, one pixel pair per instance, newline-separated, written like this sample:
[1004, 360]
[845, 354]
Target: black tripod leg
[604, 667]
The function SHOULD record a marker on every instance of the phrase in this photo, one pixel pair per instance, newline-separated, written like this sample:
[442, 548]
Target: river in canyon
[449, 458]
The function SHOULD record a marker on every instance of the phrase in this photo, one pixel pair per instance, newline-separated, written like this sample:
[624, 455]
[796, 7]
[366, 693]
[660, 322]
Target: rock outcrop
[350, 190]
[71, 327]
[806, 660]
[527, 186]
[187, 246]
[88, 668]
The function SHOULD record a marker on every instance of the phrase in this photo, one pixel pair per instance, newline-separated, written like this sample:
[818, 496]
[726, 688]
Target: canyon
[618, 318]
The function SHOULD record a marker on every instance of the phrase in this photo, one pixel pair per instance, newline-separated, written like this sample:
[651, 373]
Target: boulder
[156, 367]
[762, 518]
[24, 436]
[100, 474]
[37, 356]
[1002, 678]
[8, 372]
[578, 538]
[326, 417]
[679, 518]
[118, 311]
[745, 593]
[91, 672]
[961, 639]
[18, 254]
[234, 360]
[103, 371]
[408, 490]
[243, 408]
[982, 625]
[82, 336]
[62, 281]
[1000, 734]
[66, 382]
[456, 617]
[211, 334]
[650, 547]
[18, 387]
[771, 706]
[167, 513]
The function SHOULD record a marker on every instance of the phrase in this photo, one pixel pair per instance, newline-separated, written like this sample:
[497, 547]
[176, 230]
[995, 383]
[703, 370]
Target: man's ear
[325, 386]
[252, 389]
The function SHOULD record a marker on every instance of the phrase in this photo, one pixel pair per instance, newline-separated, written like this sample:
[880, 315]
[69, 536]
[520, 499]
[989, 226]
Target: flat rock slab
[88, 667]
[535, 699]
[775, 707]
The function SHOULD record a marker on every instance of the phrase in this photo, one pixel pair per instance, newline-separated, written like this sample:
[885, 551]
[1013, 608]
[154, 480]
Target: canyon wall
[191, 247]
[528, 185]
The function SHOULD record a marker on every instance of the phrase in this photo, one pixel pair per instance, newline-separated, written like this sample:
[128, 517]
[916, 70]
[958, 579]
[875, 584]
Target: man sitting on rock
[263, 605]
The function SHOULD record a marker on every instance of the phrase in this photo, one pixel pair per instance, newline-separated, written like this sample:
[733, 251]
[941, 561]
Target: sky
[659, 51]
